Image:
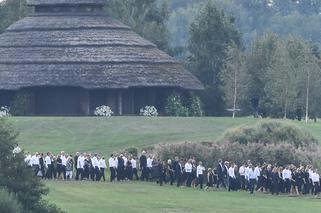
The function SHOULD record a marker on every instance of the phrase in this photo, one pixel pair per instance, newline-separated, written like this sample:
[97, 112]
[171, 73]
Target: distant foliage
[175, 107]
[21, 102]
[270, 132]
[149, 111]
[104, 111]
[8, 203]
[281, 143]
[195, 106]
[4, 111]
[209, 153]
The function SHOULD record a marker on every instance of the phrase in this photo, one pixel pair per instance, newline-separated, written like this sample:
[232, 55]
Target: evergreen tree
[146, 17]
[18, 178]
[210, 35]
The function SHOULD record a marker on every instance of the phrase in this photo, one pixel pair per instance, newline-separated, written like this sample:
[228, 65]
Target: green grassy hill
[105, 135]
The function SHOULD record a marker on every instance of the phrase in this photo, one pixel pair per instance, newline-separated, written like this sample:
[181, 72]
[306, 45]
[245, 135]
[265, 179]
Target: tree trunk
[307, 98]
[286, 103]
[235, 93]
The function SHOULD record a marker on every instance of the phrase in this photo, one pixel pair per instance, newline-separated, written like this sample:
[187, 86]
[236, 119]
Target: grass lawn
[85, 197]
[105, 135]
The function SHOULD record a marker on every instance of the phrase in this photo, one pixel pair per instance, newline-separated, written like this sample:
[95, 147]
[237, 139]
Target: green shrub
[270, 132]
[20, 103]
[270, 142]
[174, 106]
[8, 203]
[195, 106]
[132, 150]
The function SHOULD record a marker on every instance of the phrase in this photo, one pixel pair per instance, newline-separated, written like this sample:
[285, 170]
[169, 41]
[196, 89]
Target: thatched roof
[55, 2]
[89, 50]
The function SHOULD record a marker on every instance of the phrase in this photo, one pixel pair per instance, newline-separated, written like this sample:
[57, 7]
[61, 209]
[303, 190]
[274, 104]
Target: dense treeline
[253, 56]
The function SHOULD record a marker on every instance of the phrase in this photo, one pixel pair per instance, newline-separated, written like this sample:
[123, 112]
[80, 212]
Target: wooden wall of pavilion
[73, 101]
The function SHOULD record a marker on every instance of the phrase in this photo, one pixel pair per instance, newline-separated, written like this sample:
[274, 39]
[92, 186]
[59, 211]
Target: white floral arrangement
[4, 111]
[104, 111]
[150, 111]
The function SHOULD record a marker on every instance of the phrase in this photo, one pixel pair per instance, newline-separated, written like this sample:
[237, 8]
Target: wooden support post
[120, 103]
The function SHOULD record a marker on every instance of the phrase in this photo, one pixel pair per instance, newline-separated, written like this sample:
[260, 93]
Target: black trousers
[80, 172]
[221, 181]
[179, 178]
[64, 171]
[49, 172]
[97, 173]
[135, 173]
[102, 174]
[252, 185]
[112, 173]
[189, 179]
[120, 174]
[144, 175]
[231, 184]
[200, 181]
[35, 169]
[316, 188]
[287, 183]
[172, 178]
[243, 182]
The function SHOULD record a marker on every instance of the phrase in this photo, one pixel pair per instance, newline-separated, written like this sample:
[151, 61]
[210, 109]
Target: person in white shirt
[16, 150]
[199, 174]
[287, 176]
[95, 166]
[102, 167]
[28, 159]
[35, 163]
[80, 166]
[232, 178]
[188, 170]
[134, 166]
[48, 165]
[252, 178]
[316, 182]
[149, 166]
[242, 176]
[63, 163]
[112, 167]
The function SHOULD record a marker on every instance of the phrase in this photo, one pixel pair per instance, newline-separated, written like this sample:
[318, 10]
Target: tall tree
[260, 58]
[281, 81]
[210, 35]
[11, 11]
[147, 17]
[233, 79]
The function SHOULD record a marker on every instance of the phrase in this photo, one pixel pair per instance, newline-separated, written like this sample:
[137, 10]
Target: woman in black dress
[275, 181]
[59, 167]
[294, 188]
[170, 170]
[210, 179]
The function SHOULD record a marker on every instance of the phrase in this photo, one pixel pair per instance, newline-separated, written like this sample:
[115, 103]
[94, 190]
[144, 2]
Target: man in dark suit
[179, 172]
[76, 166]
[221, 173]
[120, 168]
[143, 166]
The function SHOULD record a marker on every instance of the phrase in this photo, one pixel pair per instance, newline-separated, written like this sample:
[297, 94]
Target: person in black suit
[120, 168]
[143, 166]
[221, 174]
[76, 166]
[42, 165]
[179, 172]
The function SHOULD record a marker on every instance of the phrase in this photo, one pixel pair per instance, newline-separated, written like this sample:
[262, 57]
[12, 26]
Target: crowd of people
[274, 179]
